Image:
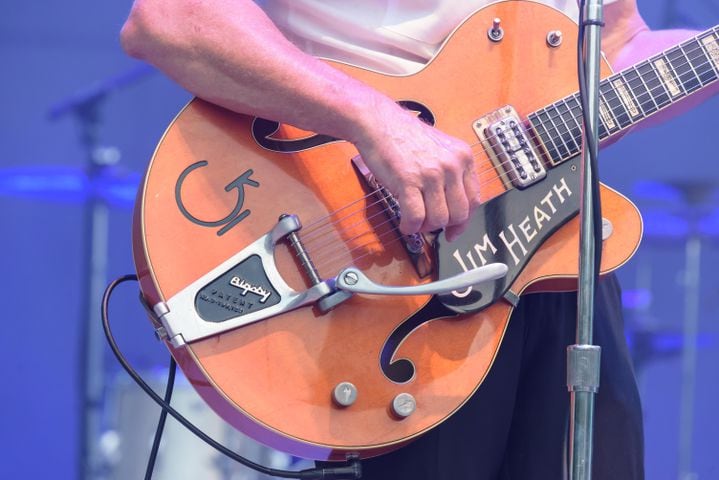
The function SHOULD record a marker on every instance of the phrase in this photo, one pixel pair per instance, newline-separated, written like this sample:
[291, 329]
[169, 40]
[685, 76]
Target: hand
[432, 175]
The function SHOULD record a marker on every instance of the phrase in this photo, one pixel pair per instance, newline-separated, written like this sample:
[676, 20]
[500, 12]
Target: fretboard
[631, 95]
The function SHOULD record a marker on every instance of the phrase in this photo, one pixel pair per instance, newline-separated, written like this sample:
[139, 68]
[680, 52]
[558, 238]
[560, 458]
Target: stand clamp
[583, 368]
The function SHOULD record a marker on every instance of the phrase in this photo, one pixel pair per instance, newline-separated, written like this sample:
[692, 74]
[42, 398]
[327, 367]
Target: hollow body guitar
[240, 222]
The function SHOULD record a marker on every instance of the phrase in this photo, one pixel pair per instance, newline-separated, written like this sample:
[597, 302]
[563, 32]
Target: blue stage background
[53, 50]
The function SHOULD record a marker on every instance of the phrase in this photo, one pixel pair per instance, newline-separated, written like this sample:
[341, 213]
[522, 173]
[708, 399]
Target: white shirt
[391, 36]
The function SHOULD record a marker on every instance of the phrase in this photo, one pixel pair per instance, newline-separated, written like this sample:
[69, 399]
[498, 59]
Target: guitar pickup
[507, 142]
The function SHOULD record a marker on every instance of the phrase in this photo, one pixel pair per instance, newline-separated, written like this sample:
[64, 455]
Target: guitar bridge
[506, 141]
[415, 244]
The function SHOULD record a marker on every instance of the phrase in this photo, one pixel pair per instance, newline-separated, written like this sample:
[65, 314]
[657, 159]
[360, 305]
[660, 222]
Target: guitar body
[212, 189]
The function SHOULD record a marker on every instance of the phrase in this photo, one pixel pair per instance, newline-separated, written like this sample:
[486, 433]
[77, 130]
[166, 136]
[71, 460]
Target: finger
[435, 205]
[472, 187]
[457, 199]
[411, 207]
[453, 232]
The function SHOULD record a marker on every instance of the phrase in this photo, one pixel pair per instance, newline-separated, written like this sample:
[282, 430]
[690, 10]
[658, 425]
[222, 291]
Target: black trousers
[515, 426]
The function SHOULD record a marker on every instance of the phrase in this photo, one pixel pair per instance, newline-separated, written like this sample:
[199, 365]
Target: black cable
[352, 470]
[161, 422]
[590, 141]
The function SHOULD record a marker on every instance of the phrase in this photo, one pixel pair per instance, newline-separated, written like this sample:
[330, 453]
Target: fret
[678, 62]
[657, 89]
[626, 95]
[667, 76]
[695, 77]
[545, 137]
[609, 121]
[615, 104]
[701, 65]
[641, 91]
[559, 126]
[575, 108]
[575, 113]
[606, 121]
[568, 135]
[710, 47]
[577, 123]
[631, 95]
[562, 148]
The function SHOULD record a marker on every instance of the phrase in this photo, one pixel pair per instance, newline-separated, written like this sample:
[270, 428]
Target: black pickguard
[509, 209]
[496, 216]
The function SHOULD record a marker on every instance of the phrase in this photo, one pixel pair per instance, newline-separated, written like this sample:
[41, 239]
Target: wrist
[367, 115]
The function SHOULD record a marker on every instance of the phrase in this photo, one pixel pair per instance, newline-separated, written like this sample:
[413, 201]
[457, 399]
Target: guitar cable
[589, 139]
[161, 422]
[351, 470]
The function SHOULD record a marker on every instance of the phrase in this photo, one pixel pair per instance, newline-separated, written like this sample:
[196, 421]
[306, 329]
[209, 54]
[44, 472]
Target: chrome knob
[554, 38]
[496, 33]
[404, 405]
[344, 394]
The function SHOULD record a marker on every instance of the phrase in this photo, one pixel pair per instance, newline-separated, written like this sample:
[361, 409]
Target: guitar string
[641, 102]
[361, 221]
[318, 229]
[340, 253]
[313, 227]
[331, 247]
[692, 73]
[318, 251]
[327, 264]
[573, 139]
[651, 92]
[321, 229]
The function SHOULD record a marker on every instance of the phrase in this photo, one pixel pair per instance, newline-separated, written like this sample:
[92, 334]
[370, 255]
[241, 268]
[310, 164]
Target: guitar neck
[630, 96]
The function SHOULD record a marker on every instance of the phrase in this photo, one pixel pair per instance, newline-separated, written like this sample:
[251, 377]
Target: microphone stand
[583, 357]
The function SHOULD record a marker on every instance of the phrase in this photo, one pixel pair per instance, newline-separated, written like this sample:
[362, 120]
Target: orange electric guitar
[272, 263]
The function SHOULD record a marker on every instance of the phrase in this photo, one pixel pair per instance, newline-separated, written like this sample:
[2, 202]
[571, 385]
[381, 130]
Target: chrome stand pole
[583, 357]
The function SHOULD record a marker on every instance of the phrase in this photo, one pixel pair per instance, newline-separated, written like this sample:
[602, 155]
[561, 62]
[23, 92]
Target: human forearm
[231, 54]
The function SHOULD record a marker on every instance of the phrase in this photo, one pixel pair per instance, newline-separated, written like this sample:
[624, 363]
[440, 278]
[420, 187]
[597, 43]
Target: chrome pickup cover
[507, 142]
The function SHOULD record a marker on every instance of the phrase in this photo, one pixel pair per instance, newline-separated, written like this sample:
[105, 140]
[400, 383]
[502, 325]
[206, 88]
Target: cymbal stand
[694, 194]
[96, 231]
[85, 106]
